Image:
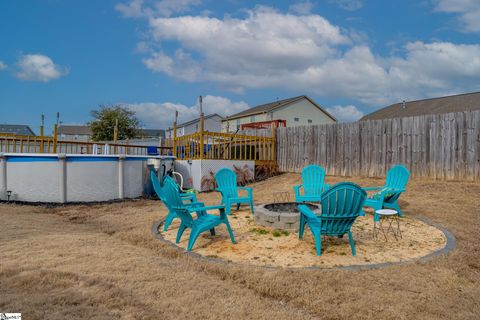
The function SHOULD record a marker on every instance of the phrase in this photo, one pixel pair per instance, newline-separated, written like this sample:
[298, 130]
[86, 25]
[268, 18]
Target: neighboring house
[212, 123]
[74, 133]
[296, 111]
[151, 133]
[456, 103]
[18, 129]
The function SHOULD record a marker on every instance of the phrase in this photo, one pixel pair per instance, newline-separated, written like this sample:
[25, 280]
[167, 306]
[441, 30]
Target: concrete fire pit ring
[283, 215]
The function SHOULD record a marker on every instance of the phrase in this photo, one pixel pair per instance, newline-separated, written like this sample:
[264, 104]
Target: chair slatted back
[341, 205]
[227, 182]
[313, 178]
[170, 196]
[397, 177]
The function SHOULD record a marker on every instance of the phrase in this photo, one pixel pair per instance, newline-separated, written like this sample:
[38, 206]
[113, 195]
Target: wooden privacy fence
[224, 146]
[35, 144]
[443, 146]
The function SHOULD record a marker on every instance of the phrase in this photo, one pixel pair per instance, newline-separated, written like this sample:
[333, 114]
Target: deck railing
[224, 146]
[38, 144]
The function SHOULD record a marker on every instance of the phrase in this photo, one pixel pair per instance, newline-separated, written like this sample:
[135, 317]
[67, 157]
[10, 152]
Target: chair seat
[207, 221]
[240, 199]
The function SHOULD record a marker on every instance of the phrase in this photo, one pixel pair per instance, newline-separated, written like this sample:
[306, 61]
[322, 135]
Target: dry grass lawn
[101, 262]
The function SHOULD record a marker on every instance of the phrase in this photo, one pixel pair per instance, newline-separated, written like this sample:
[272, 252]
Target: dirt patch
[110, 267]
[264, 246]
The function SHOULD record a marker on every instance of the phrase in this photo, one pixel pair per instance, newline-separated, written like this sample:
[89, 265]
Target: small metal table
[391, 216]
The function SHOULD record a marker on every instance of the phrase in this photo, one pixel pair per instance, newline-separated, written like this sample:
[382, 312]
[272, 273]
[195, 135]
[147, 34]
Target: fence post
[3, 176]
[63, 176]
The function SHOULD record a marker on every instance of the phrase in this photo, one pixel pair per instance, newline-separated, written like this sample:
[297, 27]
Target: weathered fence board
[443, 146]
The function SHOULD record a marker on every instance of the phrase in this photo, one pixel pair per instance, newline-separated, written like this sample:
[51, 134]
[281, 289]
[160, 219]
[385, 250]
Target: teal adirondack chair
[341, 205]
[387, 196]
[201, 223]
[313, 184]
[184, 196]
[227, 186]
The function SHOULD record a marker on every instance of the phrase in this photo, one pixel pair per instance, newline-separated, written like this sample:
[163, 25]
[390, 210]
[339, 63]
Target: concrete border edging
[449, 247]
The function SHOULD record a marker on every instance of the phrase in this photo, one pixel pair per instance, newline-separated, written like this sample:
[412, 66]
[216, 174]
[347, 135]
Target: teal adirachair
[185, 197]
[387, 195]
[313, 184]
[227, 186]
[203, 222]
[341, 205]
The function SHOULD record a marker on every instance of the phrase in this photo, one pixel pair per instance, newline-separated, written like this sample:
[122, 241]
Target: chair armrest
[296, 189]
[205, 208]
[248, 189]
[307, 212]
[372, 188]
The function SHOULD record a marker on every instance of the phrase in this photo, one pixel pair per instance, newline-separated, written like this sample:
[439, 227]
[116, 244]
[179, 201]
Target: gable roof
[152, 132]
[198, 120]
[74, 129]
[20, 129]
[268, 107]
[455, 103]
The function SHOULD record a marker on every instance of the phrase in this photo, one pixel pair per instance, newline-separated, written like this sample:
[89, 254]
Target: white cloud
[38, 67]
[148, 8]
[350, 5]
[347, 113]
[132, 9]
[3, 66]
[162, 115]
[306, 53]
[302, 8]
[468, 11]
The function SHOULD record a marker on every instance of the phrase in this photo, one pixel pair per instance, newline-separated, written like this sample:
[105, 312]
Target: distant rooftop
[19, 129]
[197, 120]
[152, 133]
[74, 130]
[267, 107]
[455, 103]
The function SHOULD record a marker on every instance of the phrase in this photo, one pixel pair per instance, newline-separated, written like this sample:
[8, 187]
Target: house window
[296, 119]
[310, 121]
[238, 124]
[252, 119]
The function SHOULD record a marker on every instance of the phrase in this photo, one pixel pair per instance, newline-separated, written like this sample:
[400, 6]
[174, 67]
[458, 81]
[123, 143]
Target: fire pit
[284, 215]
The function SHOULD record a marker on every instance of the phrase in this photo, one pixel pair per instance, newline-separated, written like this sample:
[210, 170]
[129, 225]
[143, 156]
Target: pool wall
[196, 171]
[61, 178]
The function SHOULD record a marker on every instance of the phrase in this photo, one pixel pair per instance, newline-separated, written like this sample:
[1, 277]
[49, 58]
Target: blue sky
[351, 56]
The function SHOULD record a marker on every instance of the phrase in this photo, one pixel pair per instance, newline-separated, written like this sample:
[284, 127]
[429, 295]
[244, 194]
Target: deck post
[202, 145]
[174, 138]
[55, 128]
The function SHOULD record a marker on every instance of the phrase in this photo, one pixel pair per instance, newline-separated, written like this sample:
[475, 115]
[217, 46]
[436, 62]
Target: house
[17, 129]
[151, 133]
[455, 103]
[296, 111]
[74, 133]
[212, 123]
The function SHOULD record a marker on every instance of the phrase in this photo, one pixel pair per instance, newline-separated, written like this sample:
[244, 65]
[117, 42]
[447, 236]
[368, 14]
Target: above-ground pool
[61, 178]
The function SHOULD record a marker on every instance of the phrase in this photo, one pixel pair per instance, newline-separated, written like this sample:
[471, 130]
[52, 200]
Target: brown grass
[101, 262]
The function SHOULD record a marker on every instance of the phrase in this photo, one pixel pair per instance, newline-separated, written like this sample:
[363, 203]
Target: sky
[157, 56]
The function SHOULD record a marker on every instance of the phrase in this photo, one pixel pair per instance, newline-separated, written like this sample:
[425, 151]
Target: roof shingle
[455, 103]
